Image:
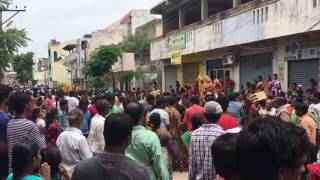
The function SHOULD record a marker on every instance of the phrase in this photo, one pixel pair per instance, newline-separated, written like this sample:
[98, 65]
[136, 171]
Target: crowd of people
[53, 135]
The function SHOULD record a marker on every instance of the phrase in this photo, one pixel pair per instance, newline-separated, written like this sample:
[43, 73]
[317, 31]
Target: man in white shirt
[96, 139]
[72, 144]
[161, 104]
[73, 102]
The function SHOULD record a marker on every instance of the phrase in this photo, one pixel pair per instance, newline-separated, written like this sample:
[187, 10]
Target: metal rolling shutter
[301, 71]
[171, 73]
[248, 69]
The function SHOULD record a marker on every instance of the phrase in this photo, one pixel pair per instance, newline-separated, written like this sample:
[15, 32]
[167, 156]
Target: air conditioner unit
[228, 60]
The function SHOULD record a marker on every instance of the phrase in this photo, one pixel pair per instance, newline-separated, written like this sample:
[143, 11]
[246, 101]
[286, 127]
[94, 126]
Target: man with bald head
[145, 147]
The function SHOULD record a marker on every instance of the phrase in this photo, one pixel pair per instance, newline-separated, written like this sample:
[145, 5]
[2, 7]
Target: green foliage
[4, 4]
[10, 41]
[22, 64]
[101, 61]
[128, 77]
[96, 82]
[138, 43]
[100, 64]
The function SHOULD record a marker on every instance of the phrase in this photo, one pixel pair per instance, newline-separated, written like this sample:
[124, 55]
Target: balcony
[71, 58]
[254, 21]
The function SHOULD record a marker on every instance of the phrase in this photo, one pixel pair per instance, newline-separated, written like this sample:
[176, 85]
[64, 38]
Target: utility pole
[2, 22]
[16, 11]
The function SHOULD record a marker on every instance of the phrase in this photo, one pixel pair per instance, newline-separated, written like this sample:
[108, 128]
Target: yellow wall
[180, 74]
[192, 58]
[60, 73]
[38, 75]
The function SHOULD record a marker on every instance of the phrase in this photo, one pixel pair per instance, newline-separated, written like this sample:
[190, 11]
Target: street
[179, 176]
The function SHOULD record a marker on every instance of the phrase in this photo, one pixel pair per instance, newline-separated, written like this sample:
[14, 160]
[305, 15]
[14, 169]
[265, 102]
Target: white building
[115, 33]
[245, 39]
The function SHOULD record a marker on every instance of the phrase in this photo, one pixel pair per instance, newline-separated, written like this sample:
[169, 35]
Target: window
[267, 13]
[314, 3]
[254, 17]
[258, 16]
[55, 56]
[262, 15]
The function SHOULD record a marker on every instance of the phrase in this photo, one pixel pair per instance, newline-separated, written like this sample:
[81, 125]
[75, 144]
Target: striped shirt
[23, 130]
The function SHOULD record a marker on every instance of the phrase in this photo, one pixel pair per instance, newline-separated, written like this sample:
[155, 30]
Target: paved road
[179, 176]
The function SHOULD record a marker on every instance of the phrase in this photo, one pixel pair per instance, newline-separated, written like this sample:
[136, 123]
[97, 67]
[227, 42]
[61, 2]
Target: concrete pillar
[163, 76]
[182, 19]
[204, 9]
[236, 3]
[180, 75]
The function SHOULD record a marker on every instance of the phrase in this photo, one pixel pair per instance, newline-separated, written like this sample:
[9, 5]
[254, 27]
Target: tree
[11, 40]
[100, 65]
[3, 4]
[22, 64]
[129, 76]
[138, 43]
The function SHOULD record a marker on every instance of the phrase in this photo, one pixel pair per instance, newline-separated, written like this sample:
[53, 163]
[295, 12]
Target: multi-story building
[39, 71]
[76, 58]
[58, 72]
[114, 34]
[8, 76]
[151, 71]
[240, 38]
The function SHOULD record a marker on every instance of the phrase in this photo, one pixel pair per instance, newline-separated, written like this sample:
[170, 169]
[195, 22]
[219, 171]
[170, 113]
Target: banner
[176, 57]
[177, 41]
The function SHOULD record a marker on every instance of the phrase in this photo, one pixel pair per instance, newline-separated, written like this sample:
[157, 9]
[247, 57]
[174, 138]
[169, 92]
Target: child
[52, 156]
[25, 160]
[53, 129]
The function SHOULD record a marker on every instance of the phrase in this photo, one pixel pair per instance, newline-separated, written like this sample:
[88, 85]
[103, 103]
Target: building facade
[114, 34]
[39, 71]
[151, 69]
[76, 58]
[57, 71]
[242, 39]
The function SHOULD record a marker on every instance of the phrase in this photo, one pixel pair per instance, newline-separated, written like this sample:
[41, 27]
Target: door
[220, 74]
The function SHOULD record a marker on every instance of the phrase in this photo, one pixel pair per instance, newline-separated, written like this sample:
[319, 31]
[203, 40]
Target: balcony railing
[71, 58]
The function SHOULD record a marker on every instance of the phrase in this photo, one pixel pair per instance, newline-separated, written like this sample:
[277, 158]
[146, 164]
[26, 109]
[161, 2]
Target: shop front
[252, 66]
[192, 67]
[216, 70]
[301, 71]
[302, 56]
[171, 76]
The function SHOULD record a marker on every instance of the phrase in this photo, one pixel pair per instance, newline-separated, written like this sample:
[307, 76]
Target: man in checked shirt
[200, 158]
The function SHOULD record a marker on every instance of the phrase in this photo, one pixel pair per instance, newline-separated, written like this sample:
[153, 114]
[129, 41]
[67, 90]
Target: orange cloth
[307, 123]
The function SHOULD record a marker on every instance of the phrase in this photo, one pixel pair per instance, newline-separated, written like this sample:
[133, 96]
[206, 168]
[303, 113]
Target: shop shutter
[190, 73]
[255, 65]
[301, 71]
[171, 73]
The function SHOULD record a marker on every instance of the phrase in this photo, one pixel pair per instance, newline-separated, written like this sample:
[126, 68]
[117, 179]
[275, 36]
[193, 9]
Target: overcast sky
[70, 19]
